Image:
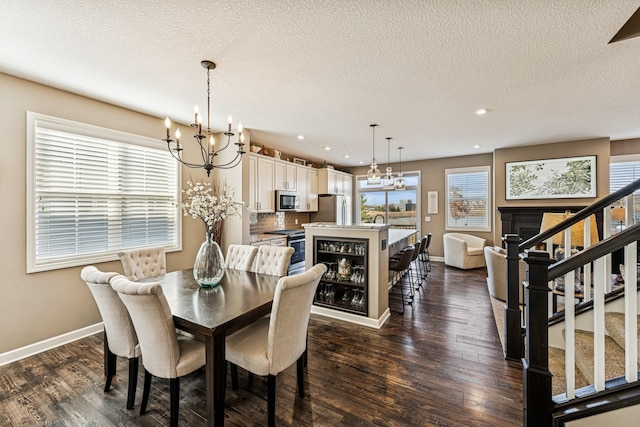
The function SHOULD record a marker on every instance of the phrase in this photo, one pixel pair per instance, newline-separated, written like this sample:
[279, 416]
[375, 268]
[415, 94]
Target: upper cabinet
[286, 176]
[261, 178]
[307, 187]
[331, 181]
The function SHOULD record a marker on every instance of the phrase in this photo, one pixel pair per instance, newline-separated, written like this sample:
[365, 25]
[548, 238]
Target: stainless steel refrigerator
[333, 208]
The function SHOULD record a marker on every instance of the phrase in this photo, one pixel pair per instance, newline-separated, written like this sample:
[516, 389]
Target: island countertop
[397, 234]
[359, 227]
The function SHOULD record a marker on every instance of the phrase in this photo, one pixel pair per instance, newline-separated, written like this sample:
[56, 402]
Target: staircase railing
[542, 269]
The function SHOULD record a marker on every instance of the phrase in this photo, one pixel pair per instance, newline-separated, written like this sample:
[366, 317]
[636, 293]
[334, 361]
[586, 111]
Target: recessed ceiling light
[361, 162]
[481, 111]
[477, 146]
[300, 136]
[346, 156]
[327, 148]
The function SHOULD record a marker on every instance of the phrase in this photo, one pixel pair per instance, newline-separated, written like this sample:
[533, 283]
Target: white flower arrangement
[202, 200]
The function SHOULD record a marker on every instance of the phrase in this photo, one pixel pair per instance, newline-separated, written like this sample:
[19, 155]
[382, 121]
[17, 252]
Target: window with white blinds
[468, 202]
[623, 170]
[94, 191]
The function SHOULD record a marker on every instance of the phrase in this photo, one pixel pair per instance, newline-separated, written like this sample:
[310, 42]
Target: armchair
[497, 273]
[463, 250]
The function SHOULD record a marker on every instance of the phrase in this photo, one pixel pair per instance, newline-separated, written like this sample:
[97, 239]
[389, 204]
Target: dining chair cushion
[121, 335]
[165, 354]
[240, 257]
[273, 260]
[144, 262]
[272, 344]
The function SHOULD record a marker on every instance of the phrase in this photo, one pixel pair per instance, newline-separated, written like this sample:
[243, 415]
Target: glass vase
[208, 269]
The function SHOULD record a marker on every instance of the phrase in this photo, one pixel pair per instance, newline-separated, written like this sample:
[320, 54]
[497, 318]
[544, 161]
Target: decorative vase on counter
[208, 269]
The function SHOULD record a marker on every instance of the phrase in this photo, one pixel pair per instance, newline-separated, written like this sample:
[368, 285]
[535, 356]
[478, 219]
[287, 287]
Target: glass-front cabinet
[345, 284]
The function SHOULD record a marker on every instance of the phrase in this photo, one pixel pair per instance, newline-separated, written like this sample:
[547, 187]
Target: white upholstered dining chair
[274, 260]
[143, 262]
[119, 332]
[240, 257]
[165, 353]
[272, 344]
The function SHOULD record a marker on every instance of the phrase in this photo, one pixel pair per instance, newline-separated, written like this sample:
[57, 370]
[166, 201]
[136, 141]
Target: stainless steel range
[295, 239]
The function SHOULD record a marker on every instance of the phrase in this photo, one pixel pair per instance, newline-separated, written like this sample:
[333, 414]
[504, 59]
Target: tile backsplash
[261, 222]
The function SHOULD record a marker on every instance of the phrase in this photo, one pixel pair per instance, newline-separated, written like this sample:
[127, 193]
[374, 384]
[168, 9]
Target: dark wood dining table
[240, 299]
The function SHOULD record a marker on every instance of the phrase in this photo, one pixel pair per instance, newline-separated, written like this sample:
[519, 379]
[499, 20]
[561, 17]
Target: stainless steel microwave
[287, 201]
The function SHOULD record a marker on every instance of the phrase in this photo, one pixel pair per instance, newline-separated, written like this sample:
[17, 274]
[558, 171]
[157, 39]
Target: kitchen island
[355, 287]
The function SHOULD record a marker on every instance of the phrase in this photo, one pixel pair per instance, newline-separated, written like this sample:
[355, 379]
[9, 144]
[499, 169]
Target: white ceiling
[328, 68]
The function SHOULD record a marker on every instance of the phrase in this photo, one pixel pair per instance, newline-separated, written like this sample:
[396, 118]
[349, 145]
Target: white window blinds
[468, 199]
[94, 191]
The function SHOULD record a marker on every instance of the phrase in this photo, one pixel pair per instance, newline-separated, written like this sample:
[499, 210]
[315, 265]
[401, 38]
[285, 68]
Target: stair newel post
[537, 377]
[512, 316]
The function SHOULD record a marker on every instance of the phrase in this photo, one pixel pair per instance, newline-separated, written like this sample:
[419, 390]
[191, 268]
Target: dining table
[241, 298]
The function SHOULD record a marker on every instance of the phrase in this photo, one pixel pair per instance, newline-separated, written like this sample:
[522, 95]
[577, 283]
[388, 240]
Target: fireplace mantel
[525, 220]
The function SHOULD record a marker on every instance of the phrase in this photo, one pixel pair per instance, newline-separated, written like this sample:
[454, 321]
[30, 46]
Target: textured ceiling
[328, 68]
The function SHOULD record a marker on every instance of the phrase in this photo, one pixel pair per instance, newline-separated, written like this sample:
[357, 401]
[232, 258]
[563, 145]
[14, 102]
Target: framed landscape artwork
[571, 177]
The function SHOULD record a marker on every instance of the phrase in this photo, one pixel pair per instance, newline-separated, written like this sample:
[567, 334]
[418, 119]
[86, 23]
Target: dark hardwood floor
[438, 364]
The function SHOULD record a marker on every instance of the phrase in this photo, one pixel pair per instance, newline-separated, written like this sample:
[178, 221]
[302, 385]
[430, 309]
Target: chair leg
[133, 382]
[145, 392]
[111, 369]
[300, 375]
[174, 388]
[234, 376]
[271, 400]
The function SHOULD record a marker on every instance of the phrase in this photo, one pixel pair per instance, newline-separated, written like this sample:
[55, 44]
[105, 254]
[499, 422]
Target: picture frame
[562, 178]
[432, 202]
[298, 161]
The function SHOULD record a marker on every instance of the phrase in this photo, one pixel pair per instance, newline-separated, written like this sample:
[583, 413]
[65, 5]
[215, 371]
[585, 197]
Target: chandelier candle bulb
[178, 146]
[196, 110]
[167, 124]
[229, 124]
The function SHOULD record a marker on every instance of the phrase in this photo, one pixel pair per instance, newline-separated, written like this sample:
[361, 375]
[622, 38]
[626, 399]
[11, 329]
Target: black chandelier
[207, 148]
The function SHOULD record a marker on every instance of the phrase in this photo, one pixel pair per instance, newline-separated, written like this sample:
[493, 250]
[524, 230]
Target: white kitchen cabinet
[312, 190]
[261, 192]
[307, 187]
[285, 176]
[334, 182]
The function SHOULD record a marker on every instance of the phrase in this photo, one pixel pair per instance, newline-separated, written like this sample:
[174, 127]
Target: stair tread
[613, 354]
[556, 366]
[614, 323]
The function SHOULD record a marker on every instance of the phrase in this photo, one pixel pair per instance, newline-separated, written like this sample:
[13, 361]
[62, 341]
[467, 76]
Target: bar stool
[424, 255]
[399, 267]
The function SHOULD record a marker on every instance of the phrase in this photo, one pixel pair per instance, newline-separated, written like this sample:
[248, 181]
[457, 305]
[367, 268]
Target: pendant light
[400, 180]
[373, 174]
[388, 182]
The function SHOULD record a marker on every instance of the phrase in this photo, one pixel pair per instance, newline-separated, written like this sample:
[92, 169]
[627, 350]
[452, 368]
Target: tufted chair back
[143, 262]
[240, 257]
[151, 316]
[272, 260]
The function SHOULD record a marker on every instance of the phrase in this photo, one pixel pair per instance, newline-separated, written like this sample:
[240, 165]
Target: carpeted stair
[614, 355]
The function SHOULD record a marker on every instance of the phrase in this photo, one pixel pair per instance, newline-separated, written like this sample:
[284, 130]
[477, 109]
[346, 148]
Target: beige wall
[625, 147]
[38, 306]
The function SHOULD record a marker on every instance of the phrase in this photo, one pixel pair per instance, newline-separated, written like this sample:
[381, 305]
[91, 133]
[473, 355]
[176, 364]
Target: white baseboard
[48, 344]
[353, 318]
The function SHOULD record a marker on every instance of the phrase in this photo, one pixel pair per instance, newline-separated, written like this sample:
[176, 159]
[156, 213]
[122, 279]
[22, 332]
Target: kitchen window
[468, 203]
[398, 208]
[623, 170]
[92, 192]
